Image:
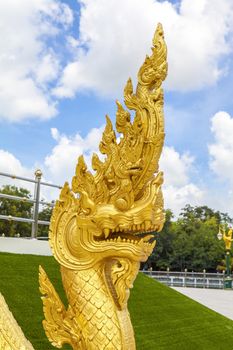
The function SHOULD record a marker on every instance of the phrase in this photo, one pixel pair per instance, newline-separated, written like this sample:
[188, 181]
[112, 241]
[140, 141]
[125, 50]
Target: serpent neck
[103, 324]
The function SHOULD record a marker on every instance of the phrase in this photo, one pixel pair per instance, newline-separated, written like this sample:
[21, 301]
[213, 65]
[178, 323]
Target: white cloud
[221, 163]
[9, 164]
[60, 164]
[115, 36]
[177, 197]
[27, 64]
[48, 68]
[111, 44]
[178, 187]
[221, 150]
[176, 166]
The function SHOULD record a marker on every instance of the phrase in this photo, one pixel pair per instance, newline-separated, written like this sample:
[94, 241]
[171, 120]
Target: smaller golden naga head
[113, 211]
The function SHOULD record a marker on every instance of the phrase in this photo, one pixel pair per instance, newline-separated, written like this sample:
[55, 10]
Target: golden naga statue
[101, 227]
[11, 335]
[227, 237]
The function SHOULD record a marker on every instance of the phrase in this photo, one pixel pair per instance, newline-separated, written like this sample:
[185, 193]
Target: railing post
[185, 276]
[38, 175]
[150, 271]
[204, 278]
[168, 277]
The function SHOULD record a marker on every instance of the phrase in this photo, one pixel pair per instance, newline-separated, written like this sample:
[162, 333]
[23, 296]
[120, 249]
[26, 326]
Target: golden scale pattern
[102, 227]
[11, 335]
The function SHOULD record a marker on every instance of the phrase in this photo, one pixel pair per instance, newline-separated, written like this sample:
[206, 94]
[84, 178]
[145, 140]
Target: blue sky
[64, 63]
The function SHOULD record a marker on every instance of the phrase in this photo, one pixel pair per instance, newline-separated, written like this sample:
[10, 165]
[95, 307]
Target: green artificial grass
[163, 319]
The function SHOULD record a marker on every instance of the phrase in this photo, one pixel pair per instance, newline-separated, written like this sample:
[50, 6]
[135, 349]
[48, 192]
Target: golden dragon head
[113, 211]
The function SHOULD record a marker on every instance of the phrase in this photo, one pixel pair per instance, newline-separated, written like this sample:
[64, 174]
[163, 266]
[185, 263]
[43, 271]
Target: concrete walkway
[218, 300]
[24, 246]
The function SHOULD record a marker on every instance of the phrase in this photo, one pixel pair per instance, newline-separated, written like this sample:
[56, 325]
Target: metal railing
[189, 279]
[36, 201]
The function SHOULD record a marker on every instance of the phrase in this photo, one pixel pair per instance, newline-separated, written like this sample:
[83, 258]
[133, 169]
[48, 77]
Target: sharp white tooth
[143, 226]
[111, 240]
[128, 240]
[106, 232]
[124, 240]
[118, 239]
[132, 241]
[134, 227]
[117, 229]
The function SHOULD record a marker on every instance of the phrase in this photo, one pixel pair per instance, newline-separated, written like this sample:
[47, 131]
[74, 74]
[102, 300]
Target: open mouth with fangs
[136, 236]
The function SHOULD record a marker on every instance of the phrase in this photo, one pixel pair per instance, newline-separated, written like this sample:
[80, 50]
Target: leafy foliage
[44, 215]
[15, 208]
[190, 241]
[23, 209]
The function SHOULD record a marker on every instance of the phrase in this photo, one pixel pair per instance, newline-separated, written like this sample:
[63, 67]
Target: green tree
[190, 241]
[160, 258]
[15, 208]
[44, 215]
[196, 246]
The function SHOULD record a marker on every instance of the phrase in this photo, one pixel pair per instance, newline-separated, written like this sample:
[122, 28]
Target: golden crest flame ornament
[101, 227]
